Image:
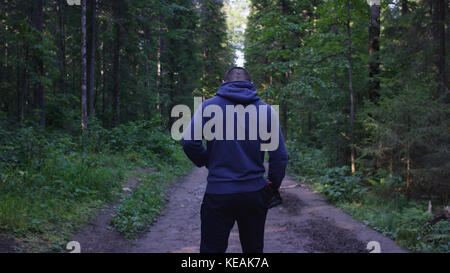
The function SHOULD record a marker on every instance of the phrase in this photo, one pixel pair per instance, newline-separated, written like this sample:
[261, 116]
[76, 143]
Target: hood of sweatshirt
[239, 92]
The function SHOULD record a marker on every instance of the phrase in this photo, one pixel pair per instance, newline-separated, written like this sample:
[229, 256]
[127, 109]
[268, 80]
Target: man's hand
[273, 195]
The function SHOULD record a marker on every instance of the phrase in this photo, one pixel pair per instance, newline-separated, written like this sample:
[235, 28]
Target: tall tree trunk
[102, 46]
[39, 93]
[408, 160]
[91, 56]
[284, 111]
[5, 44]
[350, 87]
[284, 118]
[374, 48]
[163, 44]
[62, 45]
[83, 68]
[116, 72]
[439, 20]
[20, 90]
[5, 51]
[159, 69]
[147, 51]
[26, 81]
[284, 107]
[404, 7]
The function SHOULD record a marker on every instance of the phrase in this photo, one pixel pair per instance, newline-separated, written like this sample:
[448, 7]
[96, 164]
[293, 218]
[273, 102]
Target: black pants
[219, 212]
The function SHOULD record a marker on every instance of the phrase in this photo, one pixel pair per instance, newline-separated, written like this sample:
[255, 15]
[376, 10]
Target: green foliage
[143, 205]
[405, 222]
[305, 162]
[298, 55]
[301, 64]
[144, 136]
[55, 175]
[410, 124]
[372, 197]
[30, 145]
[435, 238]
[337, 184]
[51, 183]
[55, 195]
[385, 184]
[216, 49]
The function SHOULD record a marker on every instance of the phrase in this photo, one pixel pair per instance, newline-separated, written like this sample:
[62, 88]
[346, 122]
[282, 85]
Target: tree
[39, 92]
[41, 51]
[117, 10]
[350, 88]
[438, 21]
[217, 51]
[61, 12]
[404, 6]
[83, 68]
[374, 48]
[92, 46]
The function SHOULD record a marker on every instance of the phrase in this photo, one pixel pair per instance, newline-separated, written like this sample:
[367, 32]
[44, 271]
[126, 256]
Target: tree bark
[284, 118]
[439, 16]
[116, 72]
[404, 7]
[408, 160]
[374, 48]
[83, 68]
[91, 56]
[20, 90]
[62, 45]
[103, 77]
[284, 111]
[350, 87]
[39, 92]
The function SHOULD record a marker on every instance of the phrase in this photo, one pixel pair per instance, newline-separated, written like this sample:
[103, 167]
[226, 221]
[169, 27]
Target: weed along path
[305, 222]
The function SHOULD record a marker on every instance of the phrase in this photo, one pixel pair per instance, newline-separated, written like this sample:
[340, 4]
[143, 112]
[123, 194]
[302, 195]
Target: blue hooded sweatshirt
[236, 165]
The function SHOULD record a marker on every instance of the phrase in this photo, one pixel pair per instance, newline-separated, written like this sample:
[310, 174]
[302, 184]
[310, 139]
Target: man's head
[237, 74]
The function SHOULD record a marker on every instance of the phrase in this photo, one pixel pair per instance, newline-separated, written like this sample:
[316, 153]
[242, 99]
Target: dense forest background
[87, 90]
[364, 99]
[142, 57]
[367, 85]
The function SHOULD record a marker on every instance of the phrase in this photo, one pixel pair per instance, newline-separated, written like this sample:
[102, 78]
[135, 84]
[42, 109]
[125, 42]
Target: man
[237, 190]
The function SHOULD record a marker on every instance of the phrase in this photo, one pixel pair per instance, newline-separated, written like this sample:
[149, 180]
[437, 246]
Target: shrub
[143, 136]
[304, 161]
[339, 186]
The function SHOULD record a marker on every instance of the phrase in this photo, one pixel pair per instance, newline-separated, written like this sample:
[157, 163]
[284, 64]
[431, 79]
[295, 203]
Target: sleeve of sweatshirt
[278, 158]
[192, 141]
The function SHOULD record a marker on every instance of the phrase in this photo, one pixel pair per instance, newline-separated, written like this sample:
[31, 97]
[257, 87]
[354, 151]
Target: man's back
[234, 154]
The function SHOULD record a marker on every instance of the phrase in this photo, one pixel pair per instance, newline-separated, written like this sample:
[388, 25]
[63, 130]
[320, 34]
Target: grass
[42, 208]
[139, 209]
[42, 205]
[52, 183]
[407, 224]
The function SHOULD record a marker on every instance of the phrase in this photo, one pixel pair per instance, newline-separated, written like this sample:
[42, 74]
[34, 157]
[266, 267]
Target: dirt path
[304, 223]
[98, 236]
